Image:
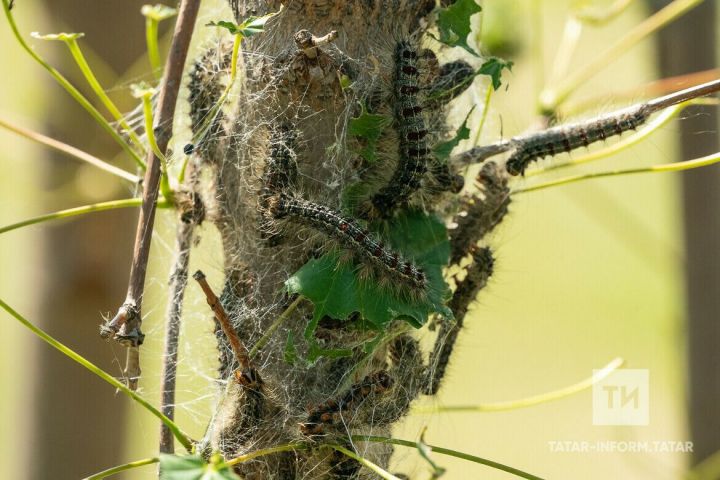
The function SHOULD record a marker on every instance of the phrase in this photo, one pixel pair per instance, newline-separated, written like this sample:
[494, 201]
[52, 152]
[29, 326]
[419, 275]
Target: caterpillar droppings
[349, 234]
[565, 138]
[410, 124]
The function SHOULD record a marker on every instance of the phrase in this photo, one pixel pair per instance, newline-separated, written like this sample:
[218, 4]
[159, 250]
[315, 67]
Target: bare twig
[178, 282]
[239, 350]
[125, 327]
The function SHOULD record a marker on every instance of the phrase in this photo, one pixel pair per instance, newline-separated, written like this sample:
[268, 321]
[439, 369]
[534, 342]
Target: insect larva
[410, 124]
[348, 233]
[480, 215]
[565, 138]
[453, 79]
[478, 274]
[328, 413]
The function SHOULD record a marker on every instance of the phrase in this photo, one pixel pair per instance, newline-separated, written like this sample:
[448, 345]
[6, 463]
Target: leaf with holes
[454, 23]
[443, 150]
[251, 26]
[493, 68]
[337, 289]
[193, 467]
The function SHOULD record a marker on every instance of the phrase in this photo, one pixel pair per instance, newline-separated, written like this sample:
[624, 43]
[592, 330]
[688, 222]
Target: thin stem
[72, 212]
[151, 38]
[178, 282]
[71, 89]
[126, 324]
[210, 118]
[566, 49]
[483, 117]
[70, 150]
[364, 462]
[275, 325]
[239, 350]
[599, 16]
[150, 132]
[100, 92]
[666, 167]
[122, 468]
[447, 451]
[550, 99]
[182, 437]
[267, 451]
[578, 387]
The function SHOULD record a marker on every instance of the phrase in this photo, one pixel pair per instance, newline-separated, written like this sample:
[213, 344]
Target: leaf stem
[275, 325]
[87, 72]
[181, 436]
[551, 99]
[536, 399]
[364, 462]
[72, 212]
[122, 468]
[74, 93]
[449, 452]
[70, 150]
[289, 447]
[666, 167]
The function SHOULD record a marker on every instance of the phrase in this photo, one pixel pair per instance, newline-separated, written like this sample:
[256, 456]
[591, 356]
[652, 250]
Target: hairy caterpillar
[453, 79]
[349, 234]
[328, 413]
[565, 138]
[478, 274]
[480, 216]
[409, 121]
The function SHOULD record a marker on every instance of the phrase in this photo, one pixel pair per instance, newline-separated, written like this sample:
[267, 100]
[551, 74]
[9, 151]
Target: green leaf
[443, 150]
[316, 352]
[337, 288]
[368, 126]
[251, 26]
[494, 67]
[193, 467]
[454, 23]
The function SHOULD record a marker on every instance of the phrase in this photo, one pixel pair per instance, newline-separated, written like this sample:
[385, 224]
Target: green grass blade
[181, 436]
[122, 468]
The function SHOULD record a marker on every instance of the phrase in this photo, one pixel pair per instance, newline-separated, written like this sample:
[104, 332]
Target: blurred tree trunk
[78, 420]
[689, 45]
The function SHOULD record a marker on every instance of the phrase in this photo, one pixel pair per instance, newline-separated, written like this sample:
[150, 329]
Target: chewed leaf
[193, 467]
[337, 289]
[454, 23]
[251, 26]
[493, 68]
[369, 127]
[443, 150]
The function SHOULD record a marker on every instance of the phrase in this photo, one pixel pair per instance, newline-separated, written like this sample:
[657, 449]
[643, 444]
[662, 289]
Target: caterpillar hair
[351, 235]
[410, 124]
[330, 412]
[478, 274]
[480, 215]
[565, 138]
[453, 79]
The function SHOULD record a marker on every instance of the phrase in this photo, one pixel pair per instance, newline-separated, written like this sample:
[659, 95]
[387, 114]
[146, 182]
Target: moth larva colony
[282, 159]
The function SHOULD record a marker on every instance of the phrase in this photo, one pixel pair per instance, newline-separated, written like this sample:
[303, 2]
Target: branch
[239, 350]
[125, 327]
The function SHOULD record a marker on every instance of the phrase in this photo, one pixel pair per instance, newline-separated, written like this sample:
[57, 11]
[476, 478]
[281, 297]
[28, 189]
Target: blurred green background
[584, 273]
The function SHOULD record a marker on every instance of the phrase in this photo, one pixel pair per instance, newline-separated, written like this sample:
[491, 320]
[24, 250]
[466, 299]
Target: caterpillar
[351, 235]
[410, 124]
[328, 413]
[480, 215]
[478, 274]
[453, 79]
[565, 138]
